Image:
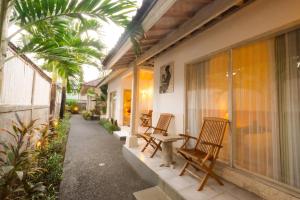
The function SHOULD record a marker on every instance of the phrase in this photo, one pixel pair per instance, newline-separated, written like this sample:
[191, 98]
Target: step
[151, 194]
[121, 135]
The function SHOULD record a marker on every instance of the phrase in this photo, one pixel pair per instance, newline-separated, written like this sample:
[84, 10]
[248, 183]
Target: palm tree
[65, 51]
[68, 72]
[28, 14]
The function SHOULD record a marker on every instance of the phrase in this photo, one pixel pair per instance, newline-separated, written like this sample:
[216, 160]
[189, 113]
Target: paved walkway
[94, 167]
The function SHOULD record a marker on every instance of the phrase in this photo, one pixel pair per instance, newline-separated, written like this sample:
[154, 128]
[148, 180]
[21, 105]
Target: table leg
[167, 154]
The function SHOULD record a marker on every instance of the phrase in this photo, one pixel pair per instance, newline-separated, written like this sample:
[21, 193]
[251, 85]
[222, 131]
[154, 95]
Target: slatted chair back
[211, 136]
[163, 124]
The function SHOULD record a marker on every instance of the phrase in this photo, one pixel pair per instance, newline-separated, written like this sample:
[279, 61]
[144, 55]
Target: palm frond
[28, 12]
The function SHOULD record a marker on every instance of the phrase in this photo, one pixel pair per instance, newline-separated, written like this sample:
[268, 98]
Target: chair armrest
[212, 144]
[159, 129]
[188, 136]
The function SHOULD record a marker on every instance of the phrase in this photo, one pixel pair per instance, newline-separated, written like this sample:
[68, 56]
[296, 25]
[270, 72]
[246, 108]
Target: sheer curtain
[207, 94]
[287, 48]
[266, 102]
[255, 109]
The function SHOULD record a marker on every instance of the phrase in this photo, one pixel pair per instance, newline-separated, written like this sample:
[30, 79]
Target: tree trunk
[52, 98]
[53, 92]
[5, 11]
[63, 100]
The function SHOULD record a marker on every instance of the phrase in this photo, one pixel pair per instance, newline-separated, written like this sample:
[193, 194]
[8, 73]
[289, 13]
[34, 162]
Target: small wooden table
[167, 149]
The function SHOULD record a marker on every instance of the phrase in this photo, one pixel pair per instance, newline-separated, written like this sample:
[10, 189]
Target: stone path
[94, 167]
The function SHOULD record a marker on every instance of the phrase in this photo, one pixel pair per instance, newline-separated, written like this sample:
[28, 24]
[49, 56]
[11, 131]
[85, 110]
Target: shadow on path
[94, 167]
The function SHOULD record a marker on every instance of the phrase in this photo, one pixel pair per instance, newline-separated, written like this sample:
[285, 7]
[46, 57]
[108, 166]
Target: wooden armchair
[146, 119]
[205, 153]
[161, 128]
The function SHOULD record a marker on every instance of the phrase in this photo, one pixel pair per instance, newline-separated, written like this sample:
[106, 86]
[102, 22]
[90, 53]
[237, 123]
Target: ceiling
[178, 14]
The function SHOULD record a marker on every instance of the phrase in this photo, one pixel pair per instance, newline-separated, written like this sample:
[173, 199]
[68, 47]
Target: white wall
[41, 91]
[17, 82]
[259, 19]
[115, 86]
[123, 82]
[18, 77]
[16, 96]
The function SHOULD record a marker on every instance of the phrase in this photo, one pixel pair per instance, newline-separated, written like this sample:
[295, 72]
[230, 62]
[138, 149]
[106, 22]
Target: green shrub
[54, 167]
[72, 106]
[87, 115]
[18, 163]
[50, 159]
[110, 125]
[71, 102]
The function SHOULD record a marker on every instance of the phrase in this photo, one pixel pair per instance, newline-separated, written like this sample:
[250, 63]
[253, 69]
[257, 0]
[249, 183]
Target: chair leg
[209, 170]
[148, 142]
[183, 169]
[203, 182]
[216, 177]
[155, 150]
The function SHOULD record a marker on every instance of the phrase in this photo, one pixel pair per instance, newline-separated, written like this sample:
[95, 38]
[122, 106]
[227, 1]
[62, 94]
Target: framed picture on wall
[166, 82]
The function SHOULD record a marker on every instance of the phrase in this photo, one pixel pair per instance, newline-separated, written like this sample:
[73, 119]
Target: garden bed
[32, 169]
[110, 125]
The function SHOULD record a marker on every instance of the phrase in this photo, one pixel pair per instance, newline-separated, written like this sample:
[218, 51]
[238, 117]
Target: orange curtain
[207, 94]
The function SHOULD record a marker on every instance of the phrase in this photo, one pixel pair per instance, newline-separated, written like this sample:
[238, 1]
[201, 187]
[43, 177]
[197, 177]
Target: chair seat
[144, 135]
[194, 154]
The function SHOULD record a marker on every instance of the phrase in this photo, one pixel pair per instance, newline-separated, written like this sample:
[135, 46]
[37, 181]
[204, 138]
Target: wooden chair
[146, 119]
[204, 154]
[161, 128]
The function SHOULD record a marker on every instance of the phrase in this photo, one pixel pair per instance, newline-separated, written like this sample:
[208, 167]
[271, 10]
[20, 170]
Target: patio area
[180, 187]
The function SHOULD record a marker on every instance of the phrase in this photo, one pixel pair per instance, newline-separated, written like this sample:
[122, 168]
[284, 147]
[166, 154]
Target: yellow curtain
[255, 108]
[207, 94]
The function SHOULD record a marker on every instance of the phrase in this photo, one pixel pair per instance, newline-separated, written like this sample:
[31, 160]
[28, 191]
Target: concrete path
[94, 167]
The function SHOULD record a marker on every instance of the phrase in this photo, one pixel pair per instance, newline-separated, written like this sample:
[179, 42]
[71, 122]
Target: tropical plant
[30, 15]
[50, 157]
[87, 115]
[103, 99]
[17, 164]
[110, 125]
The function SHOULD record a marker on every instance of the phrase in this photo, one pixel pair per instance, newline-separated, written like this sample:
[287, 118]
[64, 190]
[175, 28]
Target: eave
[166, 26]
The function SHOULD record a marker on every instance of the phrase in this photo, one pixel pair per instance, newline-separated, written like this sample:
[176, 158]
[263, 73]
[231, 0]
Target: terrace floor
[94, 167]
[186, 185]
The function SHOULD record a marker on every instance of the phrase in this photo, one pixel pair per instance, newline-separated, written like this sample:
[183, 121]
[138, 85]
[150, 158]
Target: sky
[110, 36]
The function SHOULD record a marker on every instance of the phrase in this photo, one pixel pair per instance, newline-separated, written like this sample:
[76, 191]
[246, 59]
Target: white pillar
[131, 140]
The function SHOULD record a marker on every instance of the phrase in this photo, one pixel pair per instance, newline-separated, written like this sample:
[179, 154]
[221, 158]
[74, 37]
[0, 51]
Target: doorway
[126, 107]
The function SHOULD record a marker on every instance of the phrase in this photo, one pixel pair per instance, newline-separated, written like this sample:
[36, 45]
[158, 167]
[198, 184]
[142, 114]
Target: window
[256, 127]
[207, 94]
[265, 101]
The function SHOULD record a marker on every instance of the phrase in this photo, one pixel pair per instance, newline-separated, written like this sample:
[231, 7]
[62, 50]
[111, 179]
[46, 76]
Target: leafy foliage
[17, 164]
[32, 11]
[50, 158]
[110, 125]
[71, 102]
[87, 115]
[27, 172]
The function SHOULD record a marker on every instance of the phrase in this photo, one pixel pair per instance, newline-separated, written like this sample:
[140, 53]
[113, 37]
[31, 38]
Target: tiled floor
[186, 185]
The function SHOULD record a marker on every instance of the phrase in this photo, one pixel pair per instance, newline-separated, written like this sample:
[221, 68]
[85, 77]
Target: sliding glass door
[287, 49]
[265, 104]
[255, 108]
[207, 94]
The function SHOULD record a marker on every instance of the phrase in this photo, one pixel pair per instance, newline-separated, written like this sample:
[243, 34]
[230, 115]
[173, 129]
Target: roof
[15, 49]
[167, 23]
[90, 84]
[114, 74]
[93, 83]
[140, 15]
